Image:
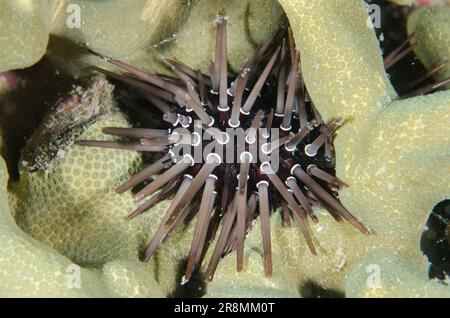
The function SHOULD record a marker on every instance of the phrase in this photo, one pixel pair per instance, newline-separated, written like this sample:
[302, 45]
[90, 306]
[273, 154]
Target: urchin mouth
[269, 104]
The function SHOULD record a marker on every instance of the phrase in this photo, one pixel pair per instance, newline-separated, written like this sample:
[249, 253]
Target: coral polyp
[254, 143]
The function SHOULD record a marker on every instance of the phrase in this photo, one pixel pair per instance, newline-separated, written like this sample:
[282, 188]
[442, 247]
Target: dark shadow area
[196, 287]
[313, 290]
[434, 241]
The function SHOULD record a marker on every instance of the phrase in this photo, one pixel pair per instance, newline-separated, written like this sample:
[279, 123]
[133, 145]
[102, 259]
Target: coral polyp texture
[146, 30]
[254, 143]
[391, 152]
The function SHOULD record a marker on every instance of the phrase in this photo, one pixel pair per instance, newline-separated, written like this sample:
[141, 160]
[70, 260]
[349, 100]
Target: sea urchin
[254, 143]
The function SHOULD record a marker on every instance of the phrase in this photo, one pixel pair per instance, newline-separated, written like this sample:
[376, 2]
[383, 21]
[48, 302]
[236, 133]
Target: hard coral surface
[388, 153]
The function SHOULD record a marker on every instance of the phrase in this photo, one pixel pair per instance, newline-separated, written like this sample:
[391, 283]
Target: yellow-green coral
[432, 28]
[20, 46]
[65, 191]
[387, 152]
[29, 268]
[71, 205]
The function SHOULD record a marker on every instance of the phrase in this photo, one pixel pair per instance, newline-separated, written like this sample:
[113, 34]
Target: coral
[398, 278]
[61, 188]
[420, 3]
[295, 157]
[24, 29]
[392, 153]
